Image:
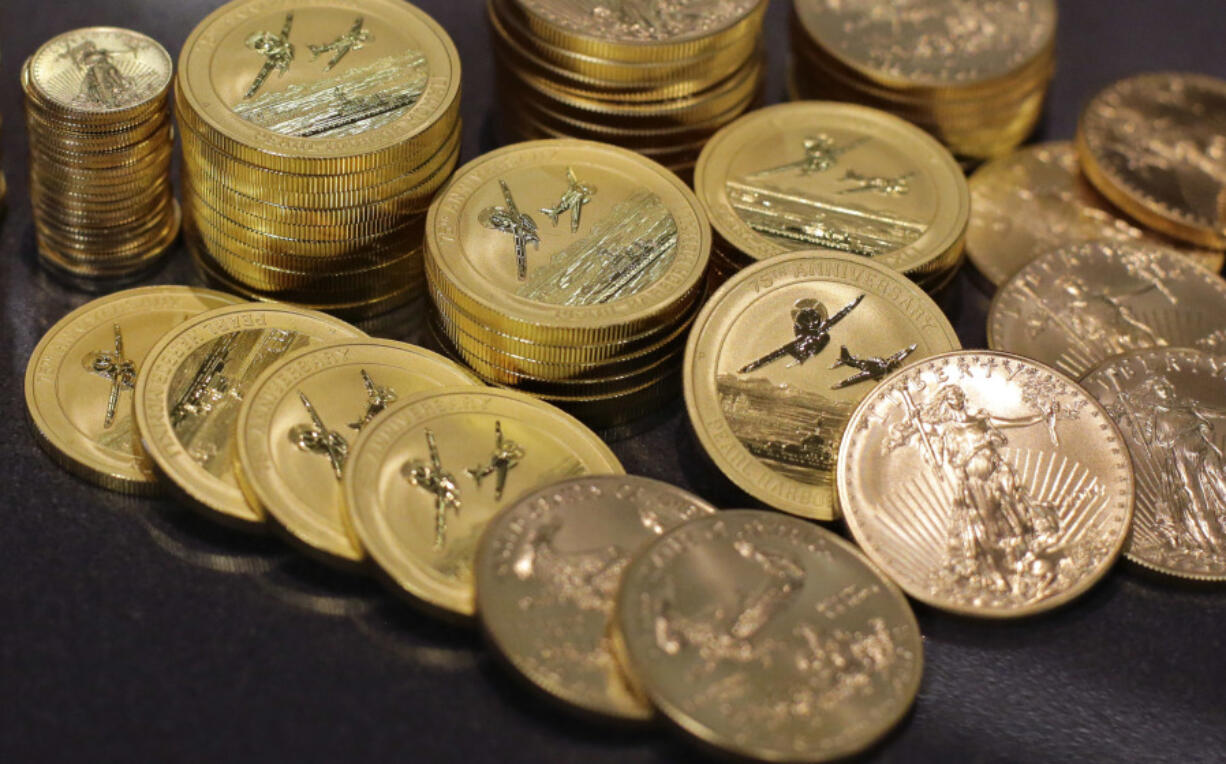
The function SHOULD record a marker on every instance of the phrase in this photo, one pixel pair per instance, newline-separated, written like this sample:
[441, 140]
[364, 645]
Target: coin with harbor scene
[781, 355]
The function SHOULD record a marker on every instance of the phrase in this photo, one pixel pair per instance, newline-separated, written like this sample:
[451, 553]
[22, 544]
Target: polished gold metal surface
[768, 637]
[426, 476]
[547, 573]
[1152, 145]
[1075, 307]
[1169, 403]
[780, 356]
[188, 398]
[1035, 200]
[986, 484]
[298, 419]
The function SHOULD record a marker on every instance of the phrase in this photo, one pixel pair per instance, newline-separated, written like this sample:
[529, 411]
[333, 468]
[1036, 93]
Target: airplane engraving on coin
[277, 50]
[821, 154]
[377, 399]
[884, 185]
[316, 438]
[573, 199]
[870, 367]
[208, 386]
[115, 367]
[354, 39]
[812, 326]
[507, 455]
[511, 221]
[430, 476]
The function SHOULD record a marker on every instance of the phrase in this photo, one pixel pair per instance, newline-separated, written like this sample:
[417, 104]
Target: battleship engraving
[624, 254]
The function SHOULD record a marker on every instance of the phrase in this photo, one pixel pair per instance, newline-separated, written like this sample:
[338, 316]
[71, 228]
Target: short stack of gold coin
[975, 75]
[313, 142]
[98, 116]
[659, 81]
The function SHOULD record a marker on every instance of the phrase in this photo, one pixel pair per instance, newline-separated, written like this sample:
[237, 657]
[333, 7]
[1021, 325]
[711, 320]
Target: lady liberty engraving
[102, 84]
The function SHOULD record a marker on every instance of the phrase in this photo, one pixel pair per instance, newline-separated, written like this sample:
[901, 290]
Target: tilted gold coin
[834, 176]
[986, 484]
[1035, 200]
[195, 380]
[781, 354]
[99, 71]
[547, 573]
[1152, 144]
[425, 478]
[768, 637]
[80, 378]
[1170, 405]
[1074, 307]
[297, 422]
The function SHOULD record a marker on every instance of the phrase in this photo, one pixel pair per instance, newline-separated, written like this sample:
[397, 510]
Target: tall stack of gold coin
[98, 115]
[654, 79]
[975, 75]
[570, 270]
[314, 140]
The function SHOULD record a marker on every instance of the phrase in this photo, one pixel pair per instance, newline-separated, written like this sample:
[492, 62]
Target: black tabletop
[134, 630]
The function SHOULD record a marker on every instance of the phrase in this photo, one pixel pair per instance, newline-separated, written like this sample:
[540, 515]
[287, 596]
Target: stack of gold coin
[570, 270]
[659, 78]
[838, 177]
[975, 75]
[97, 111]
[313, 141]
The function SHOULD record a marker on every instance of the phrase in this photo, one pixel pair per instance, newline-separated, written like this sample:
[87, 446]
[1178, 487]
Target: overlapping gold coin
[834, 176]
[314, 140]
[570, 270]
[659, 80]
[98, 119]
[975, 75]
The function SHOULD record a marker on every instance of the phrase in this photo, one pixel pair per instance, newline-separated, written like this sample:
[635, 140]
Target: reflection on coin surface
[99, 70]
[425, 477]
[986, 484]
[195, 380]
[1035, 200]
[780, 356]
[300, 418]
[1170, 405]
[1154, 145]
[670, 22]
[1073, 308]
[80, 380]
[769, 637]
[834, 176]
[547, 574]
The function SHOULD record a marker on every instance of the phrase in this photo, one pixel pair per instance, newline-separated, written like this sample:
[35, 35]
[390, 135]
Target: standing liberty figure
[102, 84]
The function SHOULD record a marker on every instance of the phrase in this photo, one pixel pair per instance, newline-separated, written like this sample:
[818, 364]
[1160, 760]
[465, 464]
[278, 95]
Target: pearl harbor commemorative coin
[547, 573]
[1152, 144]
[1035, 200]
[81, 376]
[1073, 308]
[780, 356]
[299, 418]
[1170, 405]
[768, 637]
[986, 484]
[196, 377]
[424, 479]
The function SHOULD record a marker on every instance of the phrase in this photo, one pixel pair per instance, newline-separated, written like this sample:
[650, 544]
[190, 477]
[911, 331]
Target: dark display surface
[134, 630]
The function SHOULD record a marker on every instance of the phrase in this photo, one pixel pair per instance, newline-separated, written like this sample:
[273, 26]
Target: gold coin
[80, 377]
[1036, 200]
[1074, 307]
[298, 419]
[630, 242]
[986, 484]
[780, 356]
[833, 176]
[768, 637]
[1169, 404]
[380, 92]
[195, 378]
[547, 572]
[425, 478]
[100, 71]
[1150, 144]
